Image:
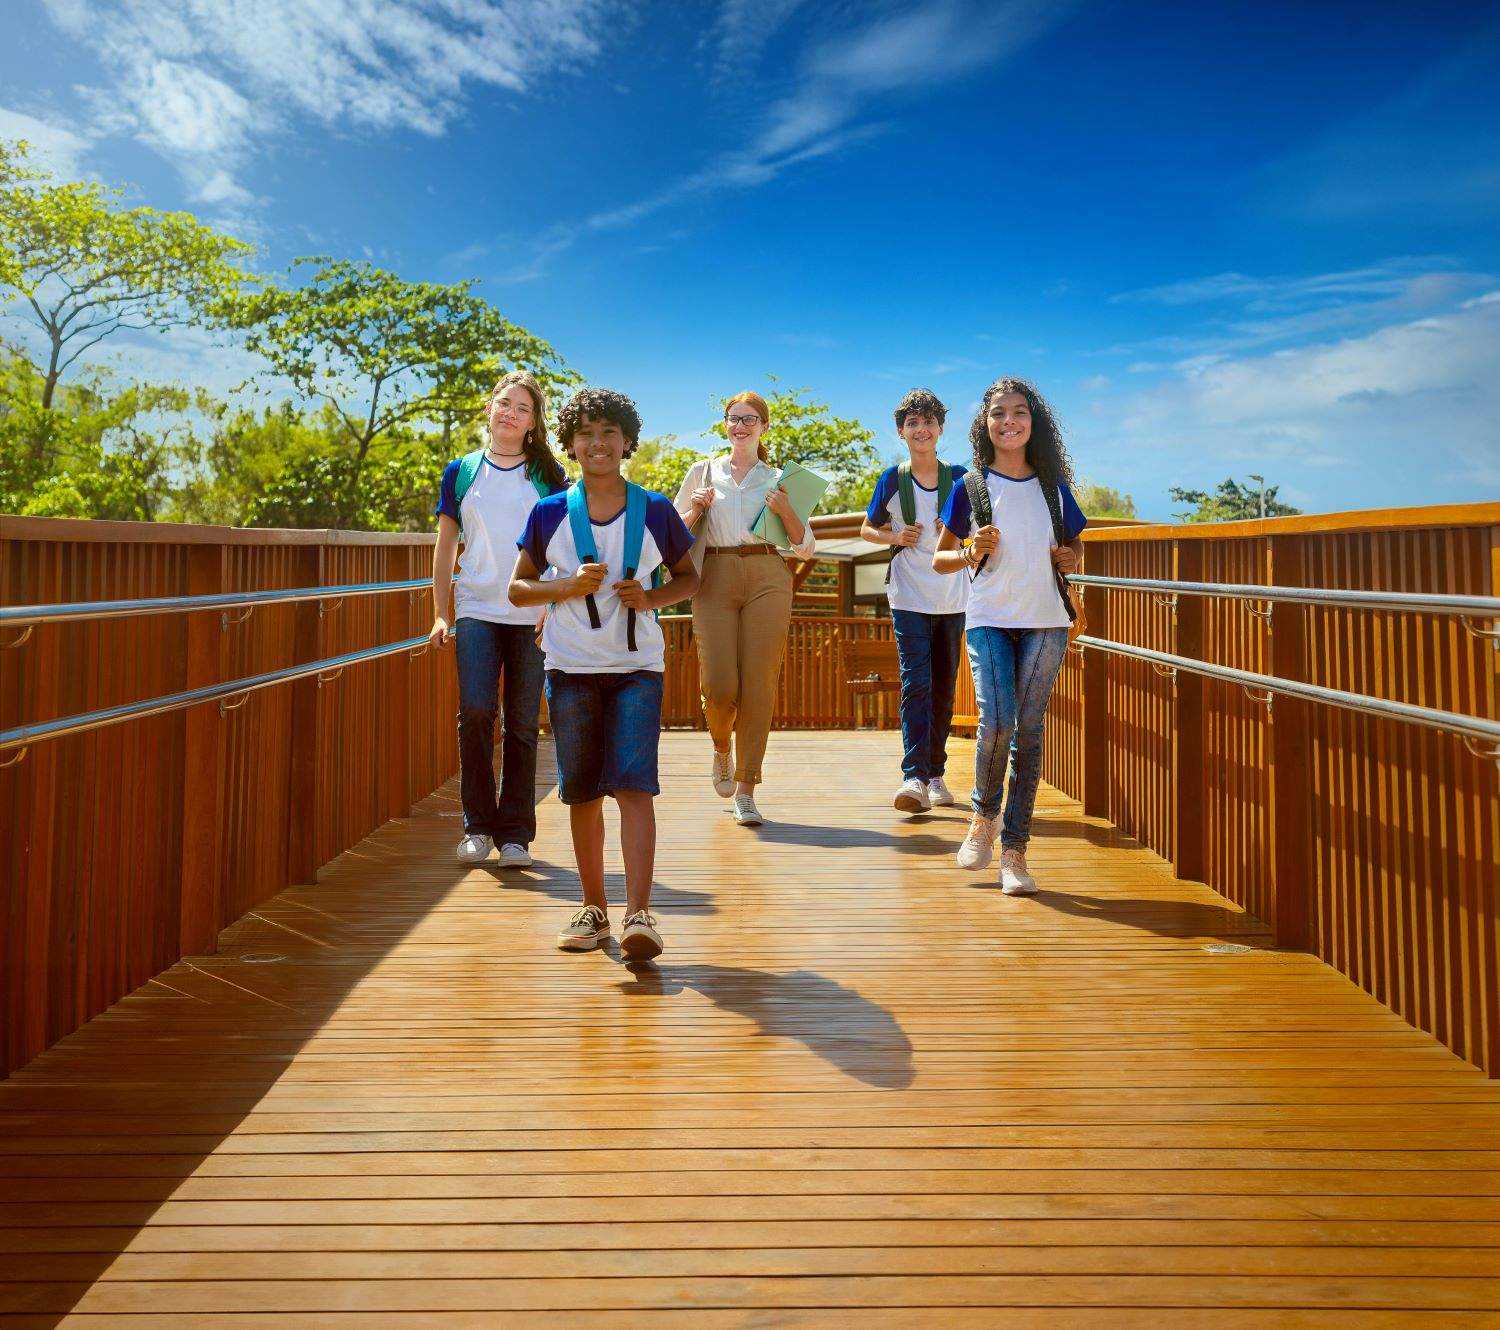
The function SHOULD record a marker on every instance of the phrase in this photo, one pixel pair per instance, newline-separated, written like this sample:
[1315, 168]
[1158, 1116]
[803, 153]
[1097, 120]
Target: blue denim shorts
[606, 728]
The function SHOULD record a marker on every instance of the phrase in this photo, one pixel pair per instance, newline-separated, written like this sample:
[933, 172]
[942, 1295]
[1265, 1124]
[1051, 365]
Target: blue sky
[1223, 239]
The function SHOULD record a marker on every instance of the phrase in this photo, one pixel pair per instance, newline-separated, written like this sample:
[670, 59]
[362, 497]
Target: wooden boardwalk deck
[861, 1089]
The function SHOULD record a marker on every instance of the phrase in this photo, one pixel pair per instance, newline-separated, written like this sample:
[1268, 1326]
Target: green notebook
[804, 488]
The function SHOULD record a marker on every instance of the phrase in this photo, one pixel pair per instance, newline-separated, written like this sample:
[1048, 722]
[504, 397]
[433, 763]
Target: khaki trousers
[740, 619]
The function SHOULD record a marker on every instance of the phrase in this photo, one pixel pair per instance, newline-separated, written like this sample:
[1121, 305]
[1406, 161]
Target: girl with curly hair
[1018, 613]
[484, 500]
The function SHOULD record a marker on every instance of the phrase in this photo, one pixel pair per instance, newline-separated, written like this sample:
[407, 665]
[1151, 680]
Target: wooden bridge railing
[1372, 843]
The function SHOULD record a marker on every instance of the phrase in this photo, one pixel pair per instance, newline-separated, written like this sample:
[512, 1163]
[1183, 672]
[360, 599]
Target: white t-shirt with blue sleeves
[570, 643]
[914, 585]
[494, 512]
[1017, 588]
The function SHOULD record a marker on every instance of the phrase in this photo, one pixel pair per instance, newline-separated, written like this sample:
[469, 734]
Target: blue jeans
[606, 727]
[928, 647]
[1014, 670]
[485, 652]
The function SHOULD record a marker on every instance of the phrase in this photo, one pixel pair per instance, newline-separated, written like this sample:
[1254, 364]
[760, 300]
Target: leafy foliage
[80, 266]
[660, 464]
[1103, 501]
[1231, 502]
[384, 353]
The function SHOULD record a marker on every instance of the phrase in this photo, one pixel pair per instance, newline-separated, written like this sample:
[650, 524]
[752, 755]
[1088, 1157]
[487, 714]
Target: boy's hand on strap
[632, 595]
[907, 536]
[986, 540]
[1064, 559]
[588, 579]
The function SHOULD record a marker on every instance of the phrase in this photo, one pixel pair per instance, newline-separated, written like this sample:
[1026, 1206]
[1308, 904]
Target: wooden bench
[870, 668]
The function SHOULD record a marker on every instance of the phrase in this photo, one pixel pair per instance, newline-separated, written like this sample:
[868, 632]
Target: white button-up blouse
[728, 519]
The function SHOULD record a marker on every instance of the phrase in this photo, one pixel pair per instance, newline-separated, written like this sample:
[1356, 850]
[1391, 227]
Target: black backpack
[984, 515]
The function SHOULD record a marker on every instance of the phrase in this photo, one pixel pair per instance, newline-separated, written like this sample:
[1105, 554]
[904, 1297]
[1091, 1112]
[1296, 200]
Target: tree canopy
[1232, 502]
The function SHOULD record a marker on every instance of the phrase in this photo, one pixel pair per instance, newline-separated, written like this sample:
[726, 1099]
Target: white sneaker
[723, 774]
[474, 849]
[979, 845]
[639, 939]
[939, 793]
[912, 797]
[514, 856]
[745, 811]
[1014, 879]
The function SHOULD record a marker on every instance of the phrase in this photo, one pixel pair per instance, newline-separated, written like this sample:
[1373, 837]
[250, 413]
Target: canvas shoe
[912, 797]
[745, 811]
[474, 849]
[1014, 879]
[639, 939]
[723, 774]
[979, 845]
[585, 930]
[514, 856]
[939, 793]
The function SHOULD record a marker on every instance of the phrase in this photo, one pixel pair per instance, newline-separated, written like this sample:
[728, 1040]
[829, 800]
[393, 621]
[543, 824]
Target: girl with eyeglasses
[744, 606]
[484, 501]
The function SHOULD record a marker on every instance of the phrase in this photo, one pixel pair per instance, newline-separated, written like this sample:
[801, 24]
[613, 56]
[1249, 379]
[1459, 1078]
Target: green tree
[660, 464]
[1232, 502]
[1103, 501]
[385, 353]
[79, 266]
[806, 431]
[110, 453]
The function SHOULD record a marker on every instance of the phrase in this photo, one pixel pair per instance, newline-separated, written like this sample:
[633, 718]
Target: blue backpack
[468, 468]
[582, 528]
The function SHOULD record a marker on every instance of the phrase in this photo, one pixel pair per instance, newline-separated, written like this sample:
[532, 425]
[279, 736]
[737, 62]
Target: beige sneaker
[639, 939]
[1014, 879]
[585, 931]
[723, 774]
[745, 811]
[912, 797]
[979, 845]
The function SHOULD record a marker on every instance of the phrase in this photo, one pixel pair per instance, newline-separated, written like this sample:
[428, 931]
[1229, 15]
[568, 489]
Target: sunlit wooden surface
[861, 1089]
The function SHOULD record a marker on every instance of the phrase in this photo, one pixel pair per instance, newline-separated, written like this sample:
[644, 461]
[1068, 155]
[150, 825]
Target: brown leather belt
[743, 550]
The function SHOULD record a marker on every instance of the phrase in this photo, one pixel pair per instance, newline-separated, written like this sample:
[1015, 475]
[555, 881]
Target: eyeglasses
[513, 408]
[742, 420]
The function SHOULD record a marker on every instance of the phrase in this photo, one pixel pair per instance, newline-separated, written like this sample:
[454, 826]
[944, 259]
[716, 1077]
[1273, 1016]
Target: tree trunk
[49, 389]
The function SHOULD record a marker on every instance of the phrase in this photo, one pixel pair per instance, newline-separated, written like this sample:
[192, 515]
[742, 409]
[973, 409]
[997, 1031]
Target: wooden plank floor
[860, 1089]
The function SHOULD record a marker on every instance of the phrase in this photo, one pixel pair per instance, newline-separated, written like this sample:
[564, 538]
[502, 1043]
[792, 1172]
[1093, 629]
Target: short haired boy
[605, 655]
[927, 609]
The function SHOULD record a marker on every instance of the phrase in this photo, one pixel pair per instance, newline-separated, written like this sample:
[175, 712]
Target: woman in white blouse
[744, 605]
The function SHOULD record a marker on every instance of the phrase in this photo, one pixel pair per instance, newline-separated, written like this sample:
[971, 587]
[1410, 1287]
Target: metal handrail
[24, 736]
[18, 615]
[1466, 727]
[1475, 607]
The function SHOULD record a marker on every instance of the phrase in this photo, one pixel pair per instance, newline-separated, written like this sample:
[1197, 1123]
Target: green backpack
[906, 489]
[468, 468]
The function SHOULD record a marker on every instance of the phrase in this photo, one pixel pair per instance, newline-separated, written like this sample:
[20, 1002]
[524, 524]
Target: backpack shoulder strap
[1053, 496]
[583, 539]
[945, 487]
[468, 468]
[979, 497]
[538, 480]
[907, 490]
[635, 535]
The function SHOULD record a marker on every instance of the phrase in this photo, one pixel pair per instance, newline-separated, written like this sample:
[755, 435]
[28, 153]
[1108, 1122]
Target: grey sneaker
[514, 856]
[723, 774]
[939, 793]
[979, 845]
[474, 849]
[585, 930]
[745, 811]
[639, 939]
[1014, 879]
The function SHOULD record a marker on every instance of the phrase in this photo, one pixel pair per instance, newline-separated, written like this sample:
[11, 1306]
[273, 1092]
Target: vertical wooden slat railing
[1370, 842]
[128, 847]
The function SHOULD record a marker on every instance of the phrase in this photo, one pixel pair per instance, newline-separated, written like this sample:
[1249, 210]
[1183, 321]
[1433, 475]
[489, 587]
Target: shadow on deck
[860, 1087]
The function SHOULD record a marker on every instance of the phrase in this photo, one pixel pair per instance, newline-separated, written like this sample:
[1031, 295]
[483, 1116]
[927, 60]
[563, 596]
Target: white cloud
[54, 147]
[202, 81]
[1363, 414]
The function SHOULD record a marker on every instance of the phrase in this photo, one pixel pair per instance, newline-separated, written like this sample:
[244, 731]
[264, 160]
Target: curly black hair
[1046, 454]
[922, 402]
[598, 404]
